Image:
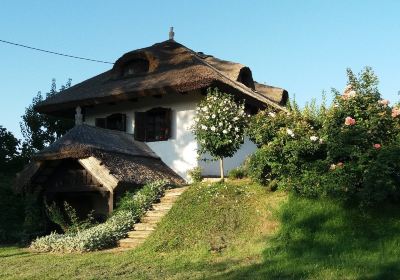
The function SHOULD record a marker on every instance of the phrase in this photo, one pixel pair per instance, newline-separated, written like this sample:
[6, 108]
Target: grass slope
[212, 230]
[229, 232]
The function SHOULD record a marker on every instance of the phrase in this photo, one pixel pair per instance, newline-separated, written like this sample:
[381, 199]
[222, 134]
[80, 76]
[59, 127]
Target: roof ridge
[271, 103]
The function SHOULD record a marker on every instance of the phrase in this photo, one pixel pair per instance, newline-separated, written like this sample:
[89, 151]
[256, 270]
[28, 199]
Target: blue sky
[303, 46]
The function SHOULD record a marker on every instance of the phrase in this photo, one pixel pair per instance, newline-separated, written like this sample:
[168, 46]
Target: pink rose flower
[348, 93]
[384, 102]
[349, 121]
[395, 112]
[377, 146]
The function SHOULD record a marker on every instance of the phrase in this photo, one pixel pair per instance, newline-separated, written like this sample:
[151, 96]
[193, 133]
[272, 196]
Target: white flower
[235, 118]
[203, 127]
[236, 129]
[213, 116]
[225, 131]
[213, 128]
[205, 109]
[272, 114]
[352, 93]
[313, 138]
[207, 117]
[220, 124]
[290, 132]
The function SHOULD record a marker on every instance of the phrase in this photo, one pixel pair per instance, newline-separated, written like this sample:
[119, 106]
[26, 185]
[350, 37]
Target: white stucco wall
[180, 151]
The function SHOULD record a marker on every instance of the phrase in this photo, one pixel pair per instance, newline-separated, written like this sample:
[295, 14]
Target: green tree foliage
[9, 152]
[220, 125]
[40, 130]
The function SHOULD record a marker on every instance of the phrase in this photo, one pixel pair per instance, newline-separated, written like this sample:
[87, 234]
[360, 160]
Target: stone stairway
[149, 221]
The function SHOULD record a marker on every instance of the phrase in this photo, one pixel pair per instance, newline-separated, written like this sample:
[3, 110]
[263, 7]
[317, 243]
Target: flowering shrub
[129, 210]
[219, 125]
[346, 150]
[195, 174]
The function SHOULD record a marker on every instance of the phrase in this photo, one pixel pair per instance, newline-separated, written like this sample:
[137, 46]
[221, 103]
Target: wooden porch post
[110, 202]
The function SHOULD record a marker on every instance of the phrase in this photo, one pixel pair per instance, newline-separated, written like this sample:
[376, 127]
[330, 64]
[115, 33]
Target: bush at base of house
[348, 150]
[237, 173]
[129, 210]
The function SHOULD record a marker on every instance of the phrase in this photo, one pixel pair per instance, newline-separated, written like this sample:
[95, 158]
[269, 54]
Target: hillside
[238, 231]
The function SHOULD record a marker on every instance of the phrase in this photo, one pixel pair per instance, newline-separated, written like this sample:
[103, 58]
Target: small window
[137, 66]
[246, 78]
[153, 125]
[113, 122]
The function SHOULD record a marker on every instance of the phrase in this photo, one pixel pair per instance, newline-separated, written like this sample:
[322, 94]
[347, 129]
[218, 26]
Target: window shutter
[116, 122]
[168, 121]
[101, 122]
[140, 126]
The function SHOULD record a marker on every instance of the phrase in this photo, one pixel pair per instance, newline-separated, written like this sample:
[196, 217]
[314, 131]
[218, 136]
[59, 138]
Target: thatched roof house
[133, 124]
[164, 68]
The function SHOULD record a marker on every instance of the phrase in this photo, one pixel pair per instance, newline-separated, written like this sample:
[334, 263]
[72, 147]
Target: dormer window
[246, 78]
[136, 66]
[113, 122]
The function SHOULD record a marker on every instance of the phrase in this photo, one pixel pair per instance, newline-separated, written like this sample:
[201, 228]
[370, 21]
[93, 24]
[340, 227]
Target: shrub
[237, 173]
[129, 209]
[347, 150]
[195, 174]
[69, 220]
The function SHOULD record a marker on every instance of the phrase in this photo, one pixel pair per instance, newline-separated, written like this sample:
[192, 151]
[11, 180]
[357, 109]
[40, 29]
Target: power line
[56, 53]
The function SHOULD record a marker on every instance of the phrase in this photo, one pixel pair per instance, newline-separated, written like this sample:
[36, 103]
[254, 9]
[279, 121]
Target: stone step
[169, 199]
[156, 213]
[144, 226]
[130, 243]
[175, 191]
[162, 206]
[150, 220]
[139, 234]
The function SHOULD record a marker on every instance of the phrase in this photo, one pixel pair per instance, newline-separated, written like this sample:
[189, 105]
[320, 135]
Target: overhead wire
[55, 53]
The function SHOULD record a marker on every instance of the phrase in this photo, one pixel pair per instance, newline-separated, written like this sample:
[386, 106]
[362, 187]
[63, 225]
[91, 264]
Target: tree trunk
[221, 168]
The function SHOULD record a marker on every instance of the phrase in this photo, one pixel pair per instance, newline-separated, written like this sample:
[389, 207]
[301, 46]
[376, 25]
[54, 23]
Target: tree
[219, 126]
[8, 151]
[41, 130]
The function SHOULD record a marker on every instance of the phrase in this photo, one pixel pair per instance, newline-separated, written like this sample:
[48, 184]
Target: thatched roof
[82, 140]
[278, 95]
[172, 67]
[113, 157]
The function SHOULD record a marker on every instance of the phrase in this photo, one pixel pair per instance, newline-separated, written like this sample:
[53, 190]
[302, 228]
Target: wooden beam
[99, 172]
[110, 202]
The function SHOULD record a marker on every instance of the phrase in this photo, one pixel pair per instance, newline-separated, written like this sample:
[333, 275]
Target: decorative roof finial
[78, 116]
[171, 33]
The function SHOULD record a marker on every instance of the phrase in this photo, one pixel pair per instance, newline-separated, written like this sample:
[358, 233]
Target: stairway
[149, 221]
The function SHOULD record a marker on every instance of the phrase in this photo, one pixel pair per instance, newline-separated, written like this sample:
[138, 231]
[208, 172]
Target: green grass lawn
[239, 231]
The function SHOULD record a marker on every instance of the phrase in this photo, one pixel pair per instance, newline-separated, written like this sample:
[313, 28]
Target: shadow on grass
[7, 251]
[325, 240]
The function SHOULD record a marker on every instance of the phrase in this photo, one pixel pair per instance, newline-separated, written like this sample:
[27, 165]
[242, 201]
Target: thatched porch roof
[172, 67]
[114, 158]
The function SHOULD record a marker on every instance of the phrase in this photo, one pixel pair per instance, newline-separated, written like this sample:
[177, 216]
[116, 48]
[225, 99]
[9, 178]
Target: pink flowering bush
[348, 150]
